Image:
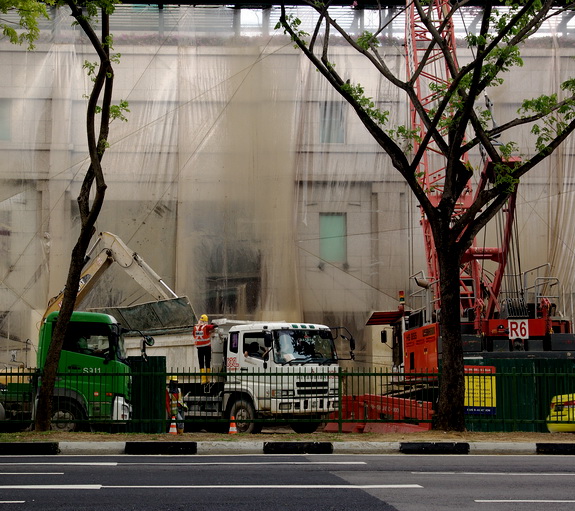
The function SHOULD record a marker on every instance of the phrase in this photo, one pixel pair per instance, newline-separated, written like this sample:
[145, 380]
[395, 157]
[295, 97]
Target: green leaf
[293, 23]
[118, 111]
[366, 103]
[367, 40]
[28, 11]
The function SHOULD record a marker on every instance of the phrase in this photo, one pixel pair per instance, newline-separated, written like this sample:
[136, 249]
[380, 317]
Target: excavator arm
[113, 250]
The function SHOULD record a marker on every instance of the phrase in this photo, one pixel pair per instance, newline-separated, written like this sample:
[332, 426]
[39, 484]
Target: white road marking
[498, 474]
[31, 473]
[12, 501]
[256, 463]
[525, 501]
[211, 487]
[67, 463]
[115, 464]
[274, 486]
[50, 486]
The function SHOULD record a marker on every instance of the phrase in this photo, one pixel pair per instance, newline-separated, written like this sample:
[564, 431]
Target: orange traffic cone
[233, 429]
[173, 429]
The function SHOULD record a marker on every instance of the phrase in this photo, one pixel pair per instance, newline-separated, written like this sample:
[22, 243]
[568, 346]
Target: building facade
[240, 176]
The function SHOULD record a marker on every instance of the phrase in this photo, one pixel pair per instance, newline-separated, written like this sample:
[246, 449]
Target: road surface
[274, 483]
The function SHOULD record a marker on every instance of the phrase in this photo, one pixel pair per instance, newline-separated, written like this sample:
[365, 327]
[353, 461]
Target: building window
[5, 108]
[332, 122]
[333, 237]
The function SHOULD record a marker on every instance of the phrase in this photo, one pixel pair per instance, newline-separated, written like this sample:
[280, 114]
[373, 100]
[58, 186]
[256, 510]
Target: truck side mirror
[268, 339]
[351, 341]
[147, 340]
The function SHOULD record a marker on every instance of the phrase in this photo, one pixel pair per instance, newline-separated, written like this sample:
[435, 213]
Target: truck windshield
[303, 346]
[95, 339]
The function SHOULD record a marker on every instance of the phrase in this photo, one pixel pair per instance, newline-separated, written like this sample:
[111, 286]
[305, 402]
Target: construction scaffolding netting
[241, 177]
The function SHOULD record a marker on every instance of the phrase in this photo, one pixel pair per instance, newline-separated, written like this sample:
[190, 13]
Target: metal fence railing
[504, 396]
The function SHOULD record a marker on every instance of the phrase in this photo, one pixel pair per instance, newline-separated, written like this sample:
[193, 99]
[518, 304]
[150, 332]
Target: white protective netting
[235, 152]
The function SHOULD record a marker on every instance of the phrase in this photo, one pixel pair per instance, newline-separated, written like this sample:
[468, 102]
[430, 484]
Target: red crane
[486, 327]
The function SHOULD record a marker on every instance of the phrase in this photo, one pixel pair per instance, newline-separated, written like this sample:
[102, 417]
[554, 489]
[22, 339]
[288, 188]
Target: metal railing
[506, 396]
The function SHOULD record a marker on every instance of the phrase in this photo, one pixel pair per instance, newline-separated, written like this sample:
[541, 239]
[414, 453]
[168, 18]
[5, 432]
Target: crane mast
[427, 66]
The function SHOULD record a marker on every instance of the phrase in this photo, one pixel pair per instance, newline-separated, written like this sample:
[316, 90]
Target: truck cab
[271, 369]
[93, 346]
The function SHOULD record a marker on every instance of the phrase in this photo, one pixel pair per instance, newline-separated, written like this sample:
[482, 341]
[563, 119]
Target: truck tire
[69, 411]
[305, 427]
[241, 411]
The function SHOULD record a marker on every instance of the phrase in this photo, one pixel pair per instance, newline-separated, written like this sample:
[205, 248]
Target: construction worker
[175, 405]
[203, 337]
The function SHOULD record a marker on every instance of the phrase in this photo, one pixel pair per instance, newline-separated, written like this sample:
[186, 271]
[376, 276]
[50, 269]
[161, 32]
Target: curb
[434, 448]
[167, 448]
[274, 448]
[517, 448]
[29, 448]
[366, 447]
[93, 448]
[217, 448]
[298, 448]
[548, 448]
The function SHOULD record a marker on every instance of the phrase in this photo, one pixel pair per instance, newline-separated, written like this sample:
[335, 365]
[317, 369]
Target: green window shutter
[333, 237]
[5, 111]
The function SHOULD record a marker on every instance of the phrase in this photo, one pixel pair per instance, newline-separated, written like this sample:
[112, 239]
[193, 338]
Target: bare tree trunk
[450, 409]
[48, 378]
[103, 81]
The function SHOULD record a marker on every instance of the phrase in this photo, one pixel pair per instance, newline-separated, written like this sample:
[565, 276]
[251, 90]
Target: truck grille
[312, 388]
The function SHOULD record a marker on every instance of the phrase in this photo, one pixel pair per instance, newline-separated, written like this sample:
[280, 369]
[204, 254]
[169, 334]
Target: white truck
[272, 370]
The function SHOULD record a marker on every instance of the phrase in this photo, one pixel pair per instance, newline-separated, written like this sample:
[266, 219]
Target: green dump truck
[94, 379]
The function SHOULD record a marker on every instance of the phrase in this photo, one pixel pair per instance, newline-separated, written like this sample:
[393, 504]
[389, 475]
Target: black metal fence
[501, 395]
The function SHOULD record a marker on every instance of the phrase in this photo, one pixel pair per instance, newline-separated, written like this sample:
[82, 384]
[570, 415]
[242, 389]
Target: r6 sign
[518, 329]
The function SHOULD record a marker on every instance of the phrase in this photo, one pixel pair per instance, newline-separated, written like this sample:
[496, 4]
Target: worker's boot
[208, 371]
[180, 431]
[203, 378]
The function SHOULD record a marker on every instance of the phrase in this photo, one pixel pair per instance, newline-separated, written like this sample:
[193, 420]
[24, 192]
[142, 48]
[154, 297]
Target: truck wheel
[69, 412]
[242, 411]
[305, 427]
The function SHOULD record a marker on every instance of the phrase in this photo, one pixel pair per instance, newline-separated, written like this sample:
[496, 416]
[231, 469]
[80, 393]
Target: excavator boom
[113, 250]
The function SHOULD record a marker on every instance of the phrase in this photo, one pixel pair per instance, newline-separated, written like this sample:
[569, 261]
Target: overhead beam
[262, 4]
